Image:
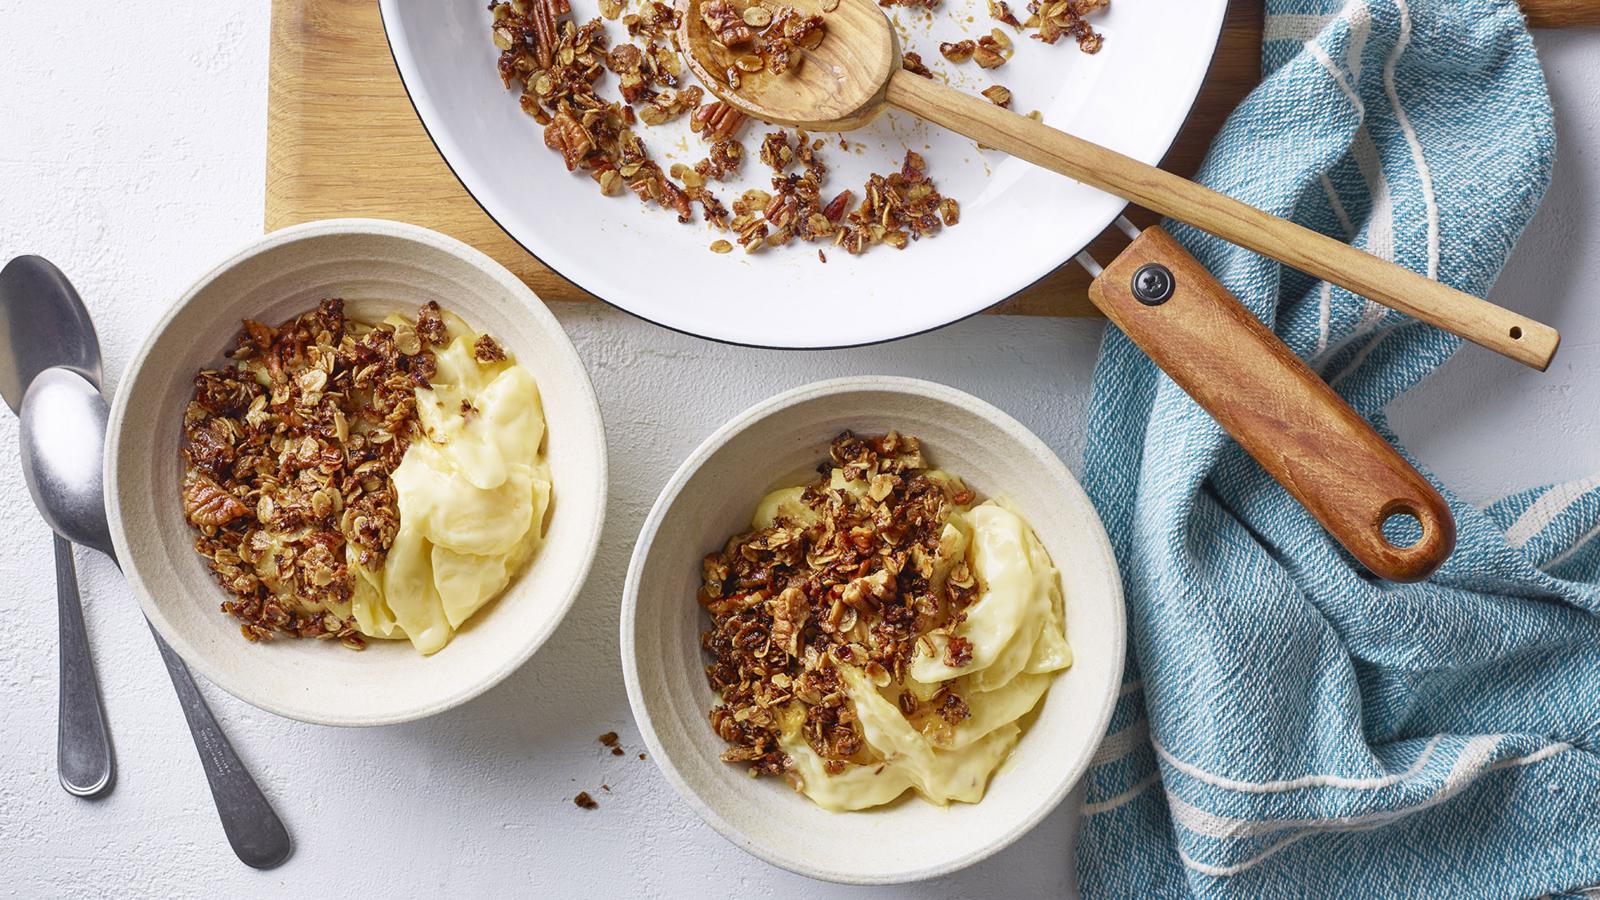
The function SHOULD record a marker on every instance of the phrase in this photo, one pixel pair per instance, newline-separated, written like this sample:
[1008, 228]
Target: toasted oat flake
[999, 95]
[959, 51]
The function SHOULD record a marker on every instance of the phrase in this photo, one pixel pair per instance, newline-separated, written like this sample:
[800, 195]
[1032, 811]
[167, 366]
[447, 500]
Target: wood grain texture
[343, 140]
[1341, 470]
[1508, 333]
[1562, 13]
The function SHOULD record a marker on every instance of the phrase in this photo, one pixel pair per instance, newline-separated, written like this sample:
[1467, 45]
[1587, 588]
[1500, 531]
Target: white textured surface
[131, 153]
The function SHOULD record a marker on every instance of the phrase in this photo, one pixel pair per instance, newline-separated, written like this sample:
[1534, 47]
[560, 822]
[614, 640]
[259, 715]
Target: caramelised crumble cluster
[288, 454]
[856, 584]
[1048, 20]
[758, 37]
[1054, 19]
[558, 64]
[894, 209]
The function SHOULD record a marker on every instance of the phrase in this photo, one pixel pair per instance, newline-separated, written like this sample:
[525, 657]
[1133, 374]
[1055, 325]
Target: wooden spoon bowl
[838, 86]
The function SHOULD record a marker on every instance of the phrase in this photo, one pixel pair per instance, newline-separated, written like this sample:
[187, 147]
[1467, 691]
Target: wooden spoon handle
[1562, 13]
[1501, 330]
[1340, 469]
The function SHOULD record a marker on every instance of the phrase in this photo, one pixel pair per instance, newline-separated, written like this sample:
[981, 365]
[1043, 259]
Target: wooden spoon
[855, 73]
[1329, 458]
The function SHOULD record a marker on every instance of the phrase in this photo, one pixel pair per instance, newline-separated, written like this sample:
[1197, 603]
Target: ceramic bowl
[778, 443]
[377, 267]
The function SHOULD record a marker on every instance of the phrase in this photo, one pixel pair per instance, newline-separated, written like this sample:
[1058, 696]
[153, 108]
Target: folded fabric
[1291, 726]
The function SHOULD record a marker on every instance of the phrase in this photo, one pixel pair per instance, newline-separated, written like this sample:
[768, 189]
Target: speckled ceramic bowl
[377, 267]
[711, 496]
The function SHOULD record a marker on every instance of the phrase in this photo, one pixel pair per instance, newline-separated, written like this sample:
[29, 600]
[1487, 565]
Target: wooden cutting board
[343, 140]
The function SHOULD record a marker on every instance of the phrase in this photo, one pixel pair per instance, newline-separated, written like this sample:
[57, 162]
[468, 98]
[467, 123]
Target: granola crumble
[288, 454]
[557, 65]
[756, 37]
[860, 583]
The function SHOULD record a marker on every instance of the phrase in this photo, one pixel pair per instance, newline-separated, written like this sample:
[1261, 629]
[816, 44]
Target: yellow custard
[1018, 639]
[471, 493]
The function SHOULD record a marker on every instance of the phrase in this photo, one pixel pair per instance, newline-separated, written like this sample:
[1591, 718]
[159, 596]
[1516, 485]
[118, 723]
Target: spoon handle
[83, 744]
[1301, 432]
[1518, 337]
[254, 830]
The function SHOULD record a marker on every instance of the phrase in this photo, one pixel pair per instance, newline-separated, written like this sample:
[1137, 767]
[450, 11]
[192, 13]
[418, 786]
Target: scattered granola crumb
[1001, 12]
[911, 61]
[721, 246]
[616, 751]
[584, 801]
[999, 95]
[821, 257]
[1055, 18]
[958, 51]
[993, 50]
[641, 756]
[487, 350]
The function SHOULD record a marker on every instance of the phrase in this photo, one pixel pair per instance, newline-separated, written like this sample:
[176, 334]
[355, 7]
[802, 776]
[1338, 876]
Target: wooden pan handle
[1561, 13]
[1340, 469]
[1479, 321]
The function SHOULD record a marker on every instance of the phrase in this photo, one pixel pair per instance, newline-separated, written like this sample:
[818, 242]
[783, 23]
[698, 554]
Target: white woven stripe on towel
[1469, 767]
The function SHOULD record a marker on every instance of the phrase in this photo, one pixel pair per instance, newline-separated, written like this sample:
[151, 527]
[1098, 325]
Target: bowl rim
[1072, 772]
[531, 305]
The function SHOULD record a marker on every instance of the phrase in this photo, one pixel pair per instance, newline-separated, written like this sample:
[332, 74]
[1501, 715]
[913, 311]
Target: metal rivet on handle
[1153, 284]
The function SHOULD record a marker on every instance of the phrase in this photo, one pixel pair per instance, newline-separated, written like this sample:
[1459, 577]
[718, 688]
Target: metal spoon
[63, 449]
[43, 323]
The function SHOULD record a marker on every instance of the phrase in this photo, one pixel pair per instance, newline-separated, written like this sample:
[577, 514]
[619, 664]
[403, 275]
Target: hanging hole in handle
[1402, 530]
[1516, 332]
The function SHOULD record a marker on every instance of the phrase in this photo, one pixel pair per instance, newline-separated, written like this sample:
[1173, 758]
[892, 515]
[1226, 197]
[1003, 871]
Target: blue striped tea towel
[1291, 727]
